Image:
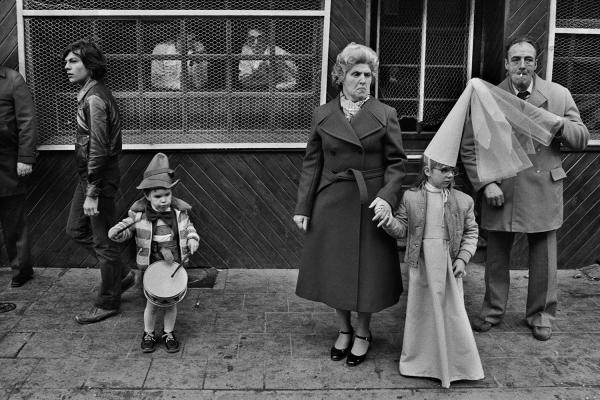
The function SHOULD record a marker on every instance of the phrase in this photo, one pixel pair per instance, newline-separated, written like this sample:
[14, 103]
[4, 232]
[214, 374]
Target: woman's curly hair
[352, 55]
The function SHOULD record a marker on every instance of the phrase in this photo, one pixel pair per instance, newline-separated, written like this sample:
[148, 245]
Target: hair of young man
[91, 55]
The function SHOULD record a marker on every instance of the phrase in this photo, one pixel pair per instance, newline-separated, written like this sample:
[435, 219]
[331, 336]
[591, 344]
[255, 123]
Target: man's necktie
[523, 95]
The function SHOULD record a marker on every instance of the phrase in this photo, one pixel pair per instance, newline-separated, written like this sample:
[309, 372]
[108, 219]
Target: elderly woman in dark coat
[351, 179]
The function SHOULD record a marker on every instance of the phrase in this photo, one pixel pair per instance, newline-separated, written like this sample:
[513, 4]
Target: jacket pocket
[557, 174]
[82, 144]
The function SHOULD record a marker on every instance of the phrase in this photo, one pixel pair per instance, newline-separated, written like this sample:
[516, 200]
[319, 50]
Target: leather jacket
[98, 142]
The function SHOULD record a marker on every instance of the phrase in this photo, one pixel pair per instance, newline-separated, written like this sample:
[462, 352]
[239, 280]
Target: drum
[162, 290]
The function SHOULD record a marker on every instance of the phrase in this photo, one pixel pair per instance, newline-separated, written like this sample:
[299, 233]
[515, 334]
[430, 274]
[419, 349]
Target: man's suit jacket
[533, 200]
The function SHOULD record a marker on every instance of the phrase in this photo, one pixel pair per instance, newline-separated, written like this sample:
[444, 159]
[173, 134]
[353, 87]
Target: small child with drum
[165, 238]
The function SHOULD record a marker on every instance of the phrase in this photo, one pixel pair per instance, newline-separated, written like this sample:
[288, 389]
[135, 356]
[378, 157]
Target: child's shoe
[148, 342]
[171, 342]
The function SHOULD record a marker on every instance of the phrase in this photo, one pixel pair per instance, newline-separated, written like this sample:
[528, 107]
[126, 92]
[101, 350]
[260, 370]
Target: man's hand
[301, 222]
[493, 195]
[90, 206]
[458, 267]
[24, 169]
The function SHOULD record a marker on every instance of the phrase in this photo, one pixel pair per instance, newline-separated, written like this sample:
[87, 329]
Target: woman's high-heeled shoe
[339, 354]
[354, 360]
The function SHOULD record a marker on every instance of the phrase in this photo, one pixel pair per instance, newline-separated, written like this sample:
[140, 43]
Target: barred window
[574, 56]
[425, 50]
[233, 74]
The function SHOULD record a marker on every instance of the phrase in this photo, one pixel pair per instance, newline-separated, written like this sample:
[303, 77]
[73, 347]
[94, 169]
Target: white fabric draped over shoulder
[504, 129]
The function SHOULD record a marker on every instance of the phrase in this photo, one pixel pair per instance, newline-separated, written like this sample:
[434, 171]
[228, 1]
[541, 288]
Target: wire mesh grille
[578, 14]
[185, 80]
[173, 4]
[446, 48]
[577, 67]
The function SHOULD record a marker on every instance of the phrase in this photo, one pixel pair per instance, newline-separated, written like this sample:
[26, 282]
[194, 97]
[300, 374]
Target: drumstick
[187, 256]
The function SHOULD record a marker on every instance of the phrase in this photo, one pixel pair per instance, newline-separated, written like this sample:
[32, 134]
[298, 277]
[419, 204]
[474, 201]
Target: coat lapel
[369, 119]
[539, 96]
[335, 123]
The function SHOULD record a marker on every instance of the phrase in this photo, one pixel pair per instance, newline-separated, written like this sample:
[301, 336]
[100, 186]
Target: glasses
[447, 170]
[527, 61]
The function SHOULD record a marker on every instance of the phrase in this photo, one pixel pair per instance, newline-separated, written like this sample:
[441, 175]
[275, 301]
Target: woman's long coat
[349, 263]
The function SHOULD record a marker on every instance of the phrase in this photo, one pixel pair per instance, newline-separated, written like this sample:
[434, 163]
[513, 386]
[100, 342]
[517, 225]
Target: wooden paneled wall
[242, 206]
[529, 17]
[579, 237]
[348, 23]
[243, 202]
[8, 34]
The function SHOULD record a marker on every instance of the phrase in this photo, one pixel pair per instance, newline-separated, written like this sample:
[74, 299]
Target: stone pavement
[250, 337]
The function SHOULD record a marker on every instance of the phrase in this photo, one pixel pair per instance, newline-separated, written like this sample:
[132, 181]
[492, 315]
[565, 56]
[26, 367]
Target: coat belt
[359, 176]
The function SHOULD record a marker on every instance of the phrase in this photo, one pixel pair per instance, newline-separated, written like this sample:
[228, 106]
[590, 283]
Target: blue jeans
[92, 233]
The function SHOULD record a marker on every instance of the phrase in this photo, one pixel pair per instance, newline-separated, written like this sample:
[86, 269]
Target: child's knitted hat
[158, 174]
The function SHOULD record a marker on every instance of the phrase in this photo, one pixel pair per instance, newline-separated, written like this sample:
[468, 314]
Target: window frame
[552, 32]
[324, 13]
[423, 52]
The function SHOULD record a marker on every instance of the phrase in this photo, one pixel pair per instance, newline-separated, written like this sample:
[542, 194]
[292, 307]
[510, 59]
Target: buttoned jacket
[459, 218]
[372, 141]
[533, 200]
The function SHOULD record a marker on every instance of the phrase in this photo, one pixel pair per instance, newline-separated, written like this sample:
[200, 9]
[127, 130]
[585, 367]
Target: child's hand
[458, 267]
[116, 233]
[192, 245]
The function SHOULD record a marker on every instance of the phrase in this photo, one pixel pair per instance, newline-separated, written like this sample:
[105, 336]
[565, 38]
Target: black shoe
[95, 314]
[171, 342]
[149, 342]
[127, 282]
[354, 360]
[339, 354]
[542, 333]
[20, 279]
[480, 325]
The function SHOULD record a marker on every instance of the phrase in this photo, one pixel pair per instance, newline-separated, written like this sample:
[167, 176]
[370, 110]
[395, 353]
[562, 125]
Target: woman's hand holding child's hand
[383, 212]
[458, 267]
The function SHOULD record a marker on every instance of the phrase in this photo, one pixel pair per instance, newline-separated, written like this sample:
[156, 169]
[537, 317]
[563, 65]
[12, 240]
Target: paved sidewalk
[250, 337]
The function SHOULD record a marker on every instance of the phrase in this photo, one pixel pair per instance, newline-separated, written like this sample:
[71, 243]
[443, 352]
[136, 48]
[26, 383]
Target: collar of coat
[2, 72]
[541, 90]
[177, 204]
[86, 88]
[371, 118]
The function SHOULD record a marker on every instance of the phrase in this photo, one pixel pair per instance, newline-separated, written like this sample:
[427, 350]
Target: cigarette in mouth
[521, 74]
